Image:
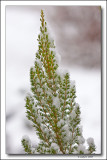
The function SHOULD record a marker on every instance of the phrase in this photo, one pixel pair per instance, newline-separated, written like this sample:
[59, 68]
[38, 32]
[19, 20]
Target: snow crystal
[60, 71]
[81, 148]
[39, 62]
[56, 101]
[60, 122]
[39, 120]
[90, 141]
[39, 89]
[81, 139]
[67, 105]
[68, 136]
[55, 146]
[66, 130]
[49, 91]
[67, 110]
[72, 114]
[46, 130]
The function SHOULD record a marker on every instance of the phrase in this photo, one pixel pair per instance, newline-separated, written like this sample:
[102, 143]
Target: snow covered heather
[23, 29]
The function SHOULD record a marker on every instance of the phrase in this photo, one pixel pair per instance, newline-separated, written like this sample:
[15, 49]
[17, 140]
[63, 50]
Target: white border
[83, 3]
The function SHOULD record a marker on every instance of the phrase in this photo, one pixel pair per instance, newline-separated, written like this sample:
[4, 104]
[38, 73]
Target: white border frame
[82, 3]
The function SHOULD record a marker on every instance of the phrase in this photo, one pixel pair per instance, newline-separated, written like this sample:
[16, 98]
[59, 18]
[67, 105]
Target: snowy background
[76, 31]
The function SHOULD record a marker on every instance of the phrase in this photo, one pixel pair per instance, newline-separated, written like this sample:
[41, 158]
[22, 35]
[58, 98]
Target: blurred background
[77, 34]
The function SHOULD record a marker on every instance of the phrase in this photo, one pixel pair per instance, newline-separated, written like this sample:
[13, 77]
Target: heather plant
[51, 107]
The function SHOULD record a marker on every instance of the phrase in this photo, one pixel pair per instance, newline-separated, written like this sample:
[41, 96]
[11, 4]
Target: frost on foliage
[52, 107]
[26, 138]
[91, 144]
[82, 149]
[61, 122]
[56, 101]
[90, 141]
[55, 146]
[72, 115]
[81, 140]
[27, 144]
[39, 119]
[61, 71]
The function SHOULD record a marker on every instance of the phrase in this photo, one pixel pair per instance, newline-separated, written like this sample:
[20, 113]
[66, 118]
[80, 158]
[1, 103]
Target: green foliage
[52, 108]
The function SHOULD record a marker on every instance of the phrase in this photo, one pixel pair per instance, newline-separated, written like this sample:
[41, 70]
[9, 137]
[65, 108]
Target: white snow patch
[56, 101]
[55, 146]
[60, 122]
[39, 119]
[73, 114]
[81, 139]
[90, 141]
[82, 148]
[39, 89]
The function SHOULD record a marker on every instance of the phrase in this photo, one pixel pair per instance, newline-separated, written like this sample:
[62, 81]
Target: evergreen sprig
[52, 108]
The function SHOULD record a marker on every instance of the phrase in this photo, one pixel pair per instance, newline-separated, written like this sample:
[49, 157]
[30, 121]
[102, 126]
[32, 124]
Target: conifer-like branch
[52, 108]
